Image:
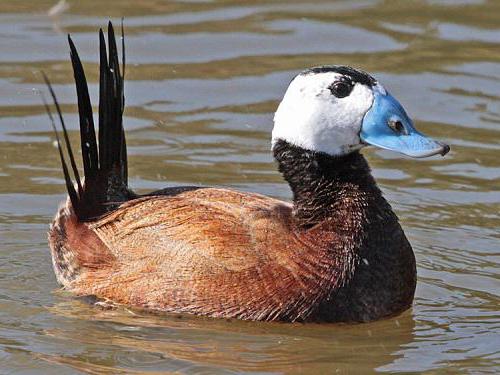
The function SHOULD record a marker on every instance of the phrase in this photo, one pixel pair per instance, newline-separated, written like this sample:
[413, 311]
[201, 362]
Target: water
[204, 78]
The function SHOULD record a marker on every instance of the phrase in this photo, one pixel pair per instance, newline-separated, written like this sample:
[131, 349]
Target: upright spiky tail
[104, 164]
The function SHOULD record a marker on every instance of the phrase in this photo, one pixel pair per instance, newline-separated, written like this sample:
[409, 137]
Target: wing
[211, 252]
[209, 228]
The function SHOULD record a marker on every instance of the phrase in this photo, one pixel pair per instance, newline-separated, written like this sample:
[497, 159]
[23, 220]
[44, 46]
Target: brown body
[222, 253]
[337, 253]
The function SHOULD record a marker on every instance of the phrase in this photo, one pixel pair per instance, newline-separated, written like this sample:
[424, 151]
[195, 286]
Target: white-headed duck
[336, 253]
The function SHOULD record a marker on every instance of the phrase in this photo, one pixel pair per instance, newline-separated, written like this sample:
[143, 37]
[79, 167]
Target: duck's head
[338, 110]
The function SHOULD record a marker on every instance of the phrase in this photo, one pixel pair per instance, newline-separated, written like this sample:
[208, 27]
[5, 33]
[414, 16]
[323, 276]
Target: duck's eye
[397, 126]
[341, 88]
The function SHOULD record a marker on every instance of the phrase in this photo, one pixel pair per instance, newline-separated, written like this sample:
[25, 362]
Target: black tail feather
[87, 132]
[104, 164]
[123, 58]
[111, 99]
[73, 196]
[103, 102]
[119, 153]
[65, 133]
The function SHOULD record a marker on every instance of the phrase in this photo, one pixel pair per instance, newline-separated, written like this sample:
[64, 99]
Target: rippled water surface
[204, 78]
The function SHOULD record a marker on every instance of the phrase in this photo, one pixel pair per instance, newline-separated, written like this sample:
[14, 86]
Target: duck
[335, 253]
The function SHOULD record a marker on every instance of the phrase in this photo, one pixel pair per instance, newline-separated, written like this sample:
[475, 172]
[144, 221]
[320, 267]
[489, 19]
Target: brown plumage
[337, 253]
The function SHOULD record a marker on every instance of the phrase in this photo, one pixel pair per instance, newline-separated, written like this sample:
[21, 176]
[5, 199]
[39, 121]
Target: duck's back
[209, 231]
[213, 252]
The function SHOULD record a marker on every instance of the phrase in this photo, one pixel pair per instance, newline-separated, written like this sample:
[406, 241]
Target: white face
[311, 117]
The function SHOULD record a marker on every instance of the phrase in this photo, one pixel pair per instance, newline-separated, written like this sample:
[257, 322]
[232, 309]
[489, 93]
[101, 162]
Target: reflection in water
[204, 78]
[175, 342]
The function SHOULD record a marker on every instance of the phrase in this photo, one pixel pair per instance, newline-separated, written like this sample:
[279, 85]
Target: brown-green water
[204, 78]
